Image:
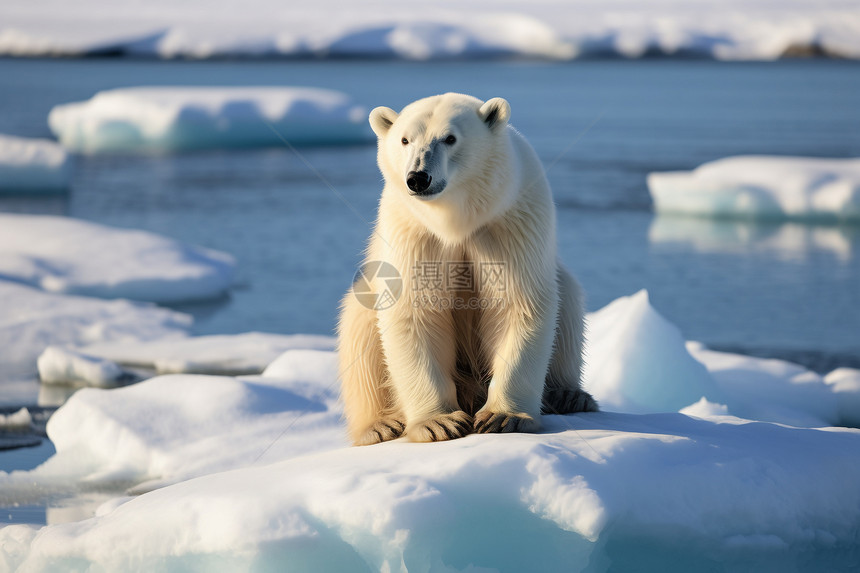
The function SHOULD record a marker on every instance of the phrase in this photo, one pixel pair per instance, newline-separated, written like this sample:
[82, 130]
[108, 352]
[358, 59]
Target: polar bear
[455, 354]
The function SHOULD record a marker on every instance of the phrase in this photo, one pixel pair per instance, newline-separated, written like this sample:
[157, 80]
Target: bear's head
[441, 147]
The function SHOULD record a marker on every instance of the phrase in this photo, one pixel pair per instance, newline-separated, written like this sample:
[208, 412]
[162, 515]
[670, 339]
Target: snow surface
[32, 165]
[762, 187]
[32, 320]
[554, 29]
[71, 256]
[253, 473]
[177, 118]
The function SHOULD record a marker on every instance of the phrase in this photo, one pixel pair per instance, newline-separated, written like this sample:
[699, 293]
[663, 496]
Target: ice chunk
[705, 409]
[845, 383]
[762, 187]
[65, 366]
[233, 354]
[636, 361]
[64, 255]
[177, 118]
[32, 165]
[20, 419]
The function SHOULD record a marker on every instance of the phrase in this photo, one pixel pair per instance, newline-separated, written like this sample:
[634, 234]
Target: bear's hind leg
[369, 408]
[562, 390]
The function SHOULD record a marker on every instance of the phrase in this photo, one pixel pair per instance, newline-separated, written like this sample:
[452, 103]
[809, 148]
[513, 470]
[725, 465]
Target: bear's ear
[381, 119]
[495, 113]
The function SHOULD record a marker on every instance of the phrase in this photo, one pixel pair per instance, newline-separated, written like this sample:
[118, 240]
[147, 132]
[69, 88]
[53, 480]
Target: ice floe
[71, 256]
[553, 29]
[185, 117]
[256, 471]
[762, 187]
[32, 165]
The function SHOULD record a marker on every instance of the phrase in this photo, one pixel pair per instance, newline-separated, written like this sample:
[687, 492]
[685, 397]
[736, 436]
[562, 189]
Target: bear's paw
[488, 422]
[566, 401]
[441, 427]
[381, 431]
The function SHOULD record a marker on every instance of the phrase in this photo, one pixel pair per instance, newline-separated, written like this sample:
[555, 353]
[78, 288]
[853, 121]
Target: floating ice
[762, 187]
[32, 165]
[64, 366]
[65, 255]
[554, 29]
[177, 118]
[20, 419]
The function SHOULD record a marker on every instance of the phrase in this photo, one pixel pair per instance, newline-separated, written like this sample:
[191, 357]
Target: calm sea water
[599, 126]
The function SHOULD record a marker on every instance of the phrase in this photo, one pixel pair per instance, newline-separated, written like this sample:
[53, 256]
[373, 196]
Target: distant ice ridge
[553, 29]
[32, 165]
[71, 256]
[179, 118]
[278, 489]
[762, 187]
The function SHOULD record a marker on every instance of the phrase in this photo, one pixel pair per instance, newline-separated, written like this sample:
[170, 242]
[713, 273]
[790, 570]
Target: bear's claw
[501, 423]
[564, 401]
[382, 431]
[442, 427]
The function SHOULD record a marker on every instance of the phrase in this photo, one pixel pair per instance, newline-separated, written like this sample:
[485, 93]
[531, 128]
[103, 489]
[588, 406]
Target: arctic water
[297, 220]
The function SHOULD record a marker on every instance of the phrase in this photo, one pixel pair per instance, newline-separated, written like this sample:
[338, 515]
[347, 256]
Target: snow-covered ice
[179, 117]
[233, 354]
[762, 187]
[845, 383]
[71, 256]
[20, 419]
[64, 366]
[256, 473]
[554, 29]
[31, 320]
[32, 165]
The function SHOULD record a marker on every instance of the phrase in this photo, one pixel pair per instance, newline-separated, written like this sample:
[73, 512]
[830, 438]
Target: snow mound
[226, 354]
[636, 361]
[174, 427]
[32, 165]
[762, 187]
[551, 29]
[178, 118]
[70, 256]
[33, 320]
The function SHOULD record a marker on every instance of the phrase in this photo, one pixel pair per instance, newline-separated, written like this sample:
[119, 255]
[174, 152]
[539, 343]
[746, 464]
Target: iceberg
[32, 165]
[762, 187]
[69, 256]
[549, 29]
[146, 119]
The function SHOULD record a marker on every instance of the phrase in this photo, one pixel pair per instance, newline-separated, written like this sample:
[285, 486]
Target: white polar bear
[458, 353]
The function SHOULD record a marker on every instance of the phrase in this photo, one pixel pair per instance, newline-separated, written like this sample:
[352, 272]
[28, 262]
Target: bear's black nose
[418, 181]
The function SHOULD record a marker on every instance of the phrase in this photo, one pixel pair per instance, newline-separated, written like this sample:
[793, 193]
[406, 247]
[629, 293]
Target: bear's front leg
[420, 352]
[520, 331]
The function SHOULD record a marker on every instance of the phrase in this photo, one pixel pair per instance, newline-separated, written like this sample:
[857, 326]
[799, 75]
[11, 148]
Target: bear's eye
[404, 141]
[450, 140]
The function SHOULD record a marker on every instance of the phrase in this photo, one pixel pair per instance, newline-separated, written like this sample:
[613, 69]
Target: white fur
[492, 204]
